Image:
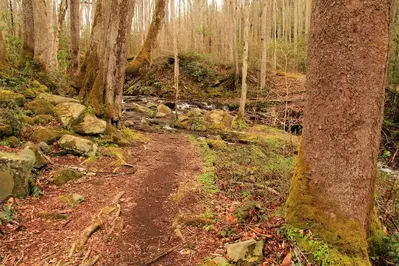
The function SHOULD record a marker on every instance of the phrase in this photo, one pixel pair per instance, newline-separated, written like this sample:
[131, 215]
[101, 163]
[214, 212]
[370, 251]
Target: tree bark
[234, 42]
[241, 111]
[3, 54]
[60, 24]
[263, 46]
[104, 67]
[144, 56]
[332, 190]
[74, 13]
[28, 37]
[43, 52]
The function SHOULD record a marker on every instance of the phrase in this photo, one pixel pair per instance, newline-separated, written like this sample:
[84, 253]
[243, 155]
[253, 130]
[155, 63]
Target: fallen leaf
[287, 260]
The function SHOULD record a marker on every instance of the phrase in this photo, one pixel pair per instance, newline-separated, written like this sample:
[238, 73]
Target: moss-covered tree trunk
[104, 67]
[143, 58]
[332, 191]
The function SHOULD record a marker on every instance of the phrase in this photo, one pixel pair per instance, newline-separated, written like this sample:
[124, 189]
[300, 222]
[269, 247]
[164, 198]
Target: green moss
[377, 238]
[239, 123]
[6, 130]
[37, 120]
[216, 144]
[65, 175]
[134, 136]
[47, 135]
[40, 107]
[12, 142]
[8, 96]
[305, 209]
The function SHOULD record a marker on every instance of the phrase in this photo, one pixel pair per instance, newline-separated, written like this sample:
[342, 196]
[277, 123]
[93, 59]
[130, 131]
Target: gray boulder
[6, 185]
[40, 159]
[55, 99]
[19, 166]
[88, 124]
[246, 253]
[77, 145]
[68, 112]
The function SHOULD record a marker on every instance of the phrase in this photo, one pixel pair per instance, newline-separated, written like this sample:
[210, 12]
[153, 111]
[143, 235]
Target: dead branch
[160, 256]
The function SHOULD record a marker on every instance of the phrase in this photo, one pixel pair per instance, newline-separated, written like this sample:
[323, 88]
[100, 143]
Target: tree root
[99, 221]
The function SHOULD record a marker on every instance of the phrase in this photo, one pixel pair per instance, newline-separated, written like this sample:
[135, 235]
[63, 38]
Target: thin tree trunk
[241, 111]
[332, 190]
[176, 55]
[235, 44]
[60, 23]
[144, 57]
[74, 13]
[264, 47]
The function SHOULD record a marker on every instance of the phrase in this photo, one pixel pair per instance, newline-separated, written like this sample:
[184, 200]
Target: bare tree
[75, 35]
[144, 56]
[241, 111]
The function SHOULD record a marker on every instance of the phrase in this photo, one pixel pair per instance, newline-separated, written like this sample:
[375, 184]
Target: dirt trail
[147, 211]
[165, 163]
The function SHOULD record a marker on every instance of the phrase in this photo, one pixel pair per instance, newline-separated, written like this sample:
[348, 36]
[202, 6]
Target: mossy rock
[38, 87]
[7, 96]
[88, 124]
[64, 175]
[47, 135]
[216, 144]
[38, 120]
[197, 121]
[12, 142]
[246, 253]
[78, 145]
[40, 161]
[69, 112]
[29, 93]
[40, 107]
[6, 130]
[19, 166]
[6, 185]
[182, 122]
[124, 137]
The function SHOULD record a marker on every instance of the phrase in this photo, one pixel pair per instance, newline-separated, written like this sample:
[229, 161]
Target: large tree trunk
[75, 35]
[28, 37]
[104, 67]
[332, 191]
[241, 111]
[144, 56]
[43, 52]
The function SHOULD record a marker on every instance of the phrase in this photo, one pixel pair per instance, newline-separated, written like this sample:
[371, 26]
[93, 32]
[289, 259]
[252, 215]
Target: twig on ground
[160, 256]
[20, 259]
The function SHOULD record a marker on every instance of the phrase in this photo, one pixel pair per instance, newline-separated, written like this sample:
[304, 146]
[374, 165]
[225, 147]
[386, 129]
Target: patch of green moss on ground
[65, 175]
[40, 107]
